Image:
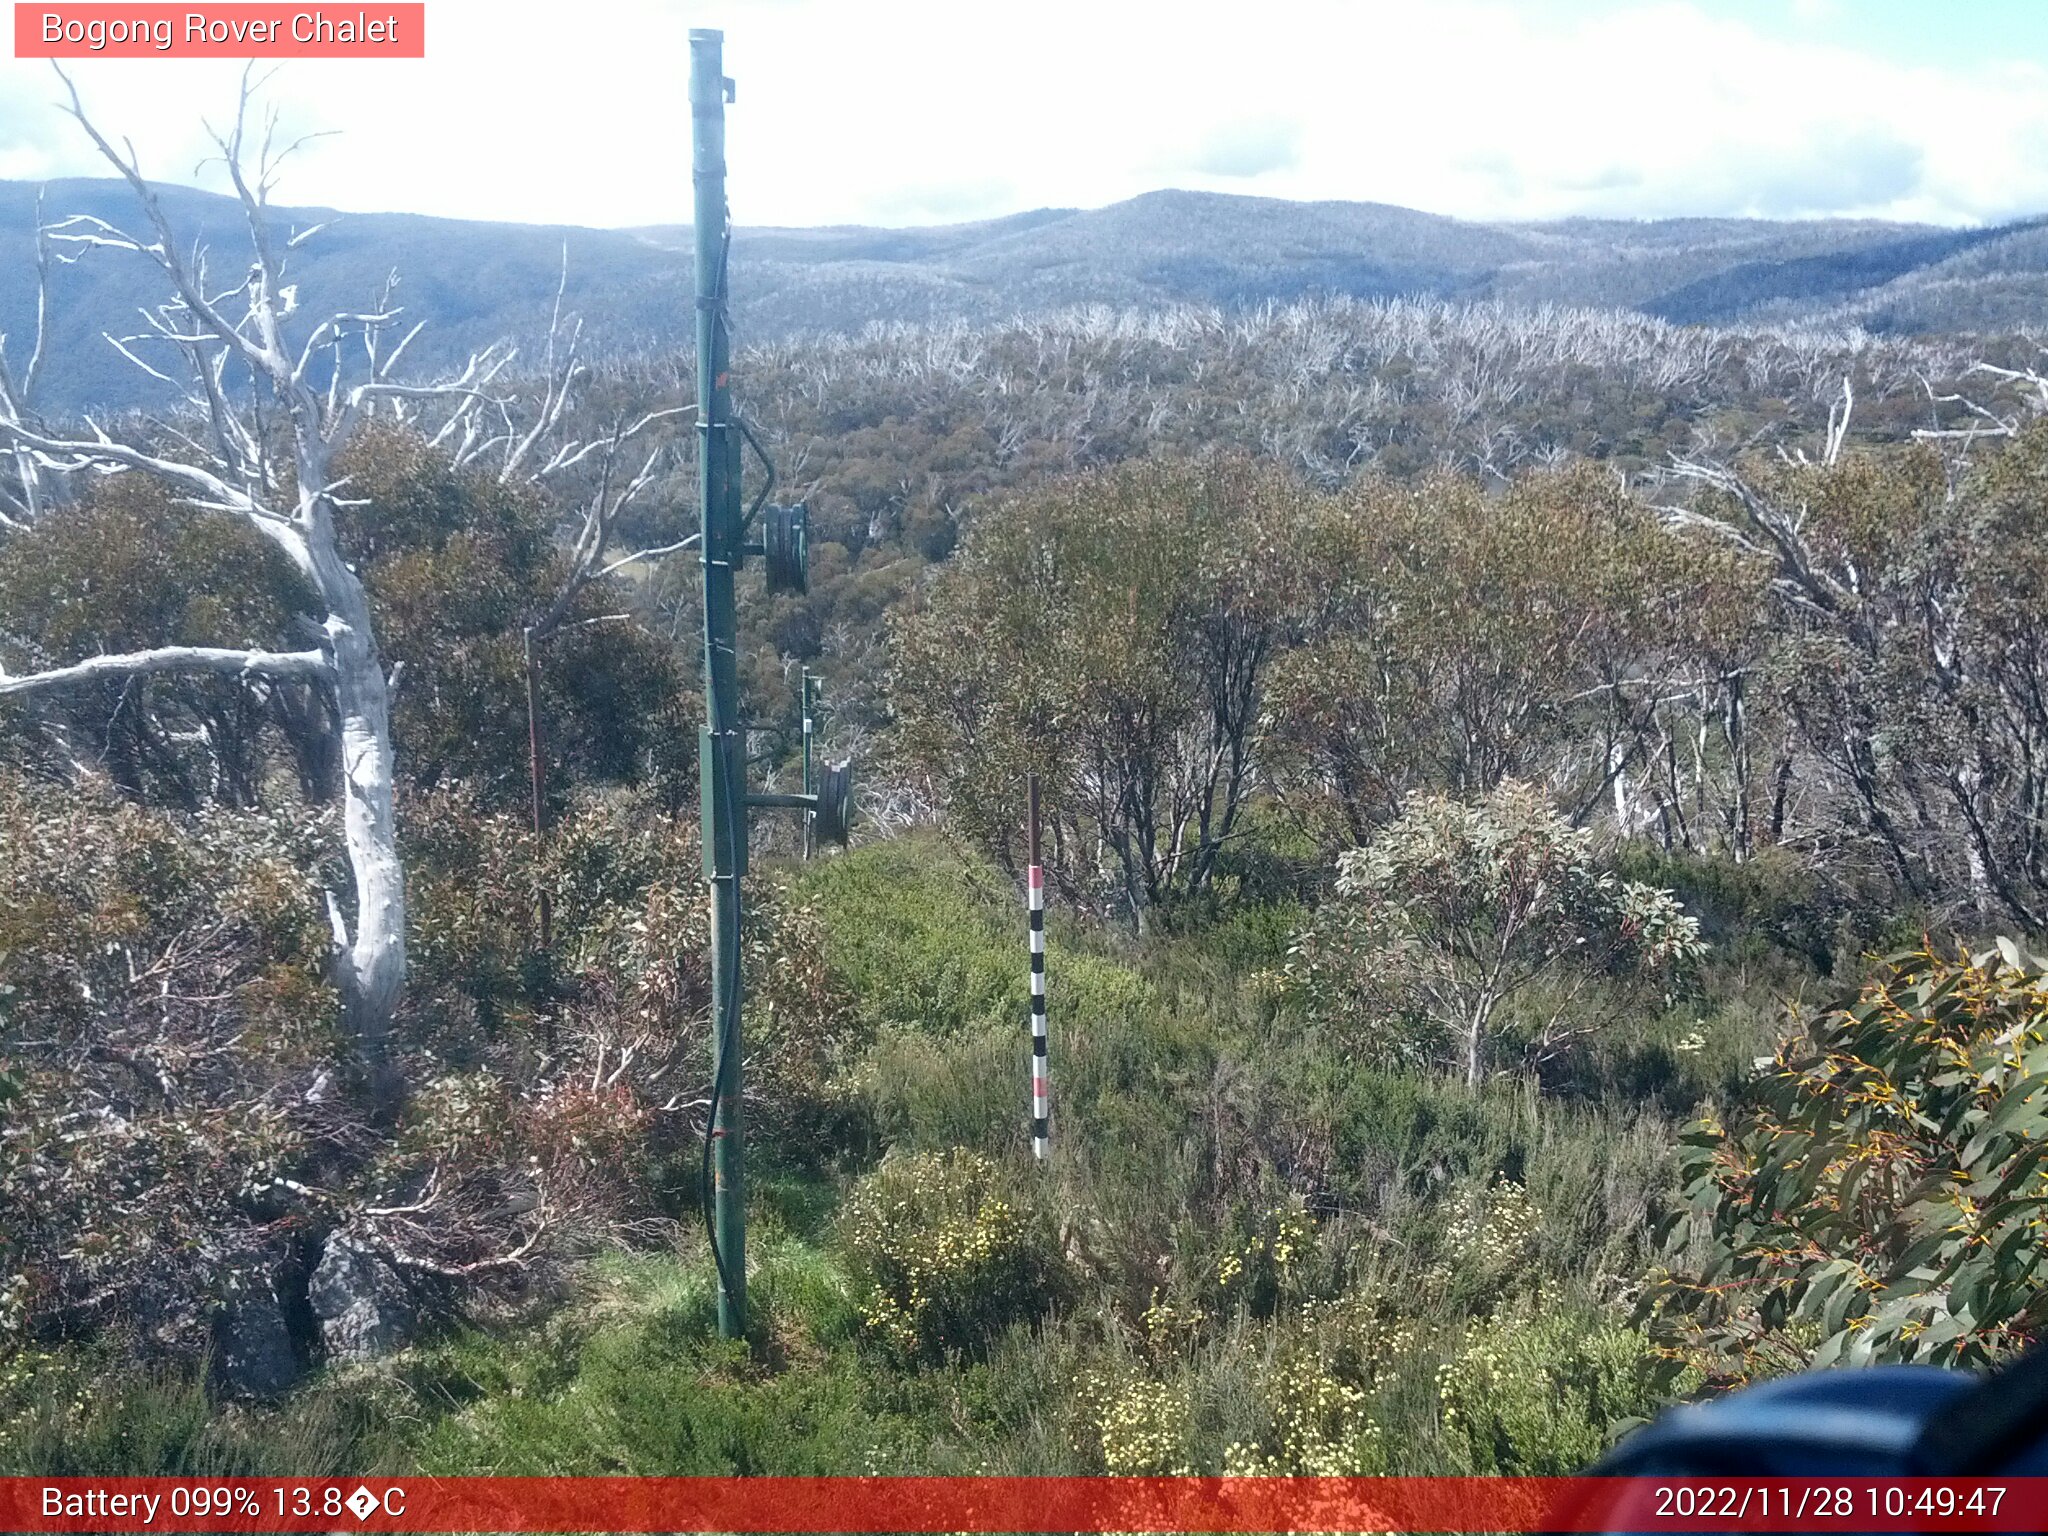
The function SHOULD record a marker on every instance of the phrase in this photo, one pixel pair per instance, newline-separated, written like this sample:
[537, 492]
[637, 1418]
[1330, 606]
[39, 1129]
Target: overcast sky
[924, 111]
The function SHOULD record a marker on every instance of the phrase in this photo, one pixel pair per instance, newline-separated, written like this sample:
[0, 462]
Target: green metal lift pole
[721, 746]
[810, 788]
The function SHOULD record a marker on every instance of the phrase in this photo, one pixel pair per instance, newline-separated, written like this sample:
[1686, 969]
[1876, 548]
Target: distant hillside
[477, 282]
[472, 282]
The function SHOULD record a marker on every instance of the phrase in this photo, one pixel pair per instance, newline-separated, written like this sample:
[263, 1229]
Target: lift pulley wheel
[785, 546]
[834, 815]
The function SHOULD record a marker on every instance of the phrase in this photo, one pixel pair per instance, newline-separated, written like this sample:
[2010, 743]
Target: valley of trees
[1544, 818]
[475, 283]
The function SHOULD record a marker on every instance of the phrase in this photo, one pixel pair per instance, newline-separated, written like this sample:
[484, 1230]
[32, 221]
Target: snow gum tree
[1462, 926]
[270, 397]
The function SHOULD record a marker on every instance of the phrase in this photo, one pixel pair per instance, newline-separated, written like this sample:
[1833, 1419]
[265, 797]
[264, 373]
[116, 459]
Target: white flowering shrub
[1135, 1426]
[1316, 1394]
[948, 1254]
[1488, 1247]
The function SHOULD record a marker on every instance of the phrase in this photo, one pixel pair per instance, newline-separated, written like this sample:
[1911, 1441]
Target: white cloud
[904, 111]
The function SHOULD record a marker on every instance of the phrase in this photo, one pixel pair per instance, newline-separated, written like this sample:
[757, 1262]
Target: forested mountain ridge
[475, 282]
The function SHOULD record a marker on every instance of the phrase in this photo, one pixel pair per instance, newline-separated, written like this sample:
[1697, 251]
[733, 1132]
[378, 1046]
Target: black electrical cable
[728, 1030]
[719, 318]
[707, 1189]
[728, 1022]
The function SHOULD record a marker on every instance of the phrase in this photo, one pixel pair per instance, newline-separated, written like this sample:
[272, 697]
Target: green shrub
[1540, 1394]
[928, 1093]
[633, 1409]
[949, 1256]
[633, 1379]
[1400, 1151]
[911, 936]
[90, 1411]
[924, 942]
[1771, 902]
[1874, 1195]
[1251, 939]
[916, 939]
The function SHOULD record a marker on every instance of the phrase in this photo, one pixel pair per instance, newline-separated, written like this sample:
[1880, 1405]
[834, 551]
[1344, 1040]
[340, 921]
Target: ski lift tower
[724, 545]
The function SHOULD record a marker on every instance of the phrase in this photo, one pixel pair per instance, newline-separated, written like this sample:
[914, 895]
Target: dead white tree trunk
[21, 502]
[269, 462]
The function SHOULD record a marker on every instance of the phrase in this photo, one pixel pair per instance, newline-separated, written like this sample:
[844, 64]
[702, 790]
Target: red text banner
[990, 1504]
[233, 31]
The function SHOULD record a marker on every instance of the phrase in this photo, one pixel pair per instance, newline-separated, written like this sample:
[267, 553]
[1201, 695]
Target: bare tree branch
[172, 658]
[601, 514]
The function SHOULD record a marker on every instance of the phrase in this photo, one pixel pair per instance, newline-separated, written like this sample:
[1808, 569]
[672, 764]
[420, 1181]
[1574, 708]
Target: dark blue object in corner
[1857, 1423]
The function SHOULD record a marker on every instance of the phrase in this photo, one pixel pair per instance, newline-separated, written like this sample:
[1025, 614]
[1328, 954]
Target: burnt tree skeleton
[262, 450]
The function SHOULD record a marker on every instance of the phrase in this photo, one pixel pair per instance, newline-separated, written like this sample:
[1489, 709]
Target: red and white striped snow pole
[1041, 1106]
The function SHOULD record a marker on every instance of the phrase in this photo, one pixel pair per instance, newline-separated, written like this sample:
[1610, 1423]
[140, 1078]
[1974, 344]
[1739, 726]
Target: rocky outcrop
[365, 1306]
[252, 1347]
